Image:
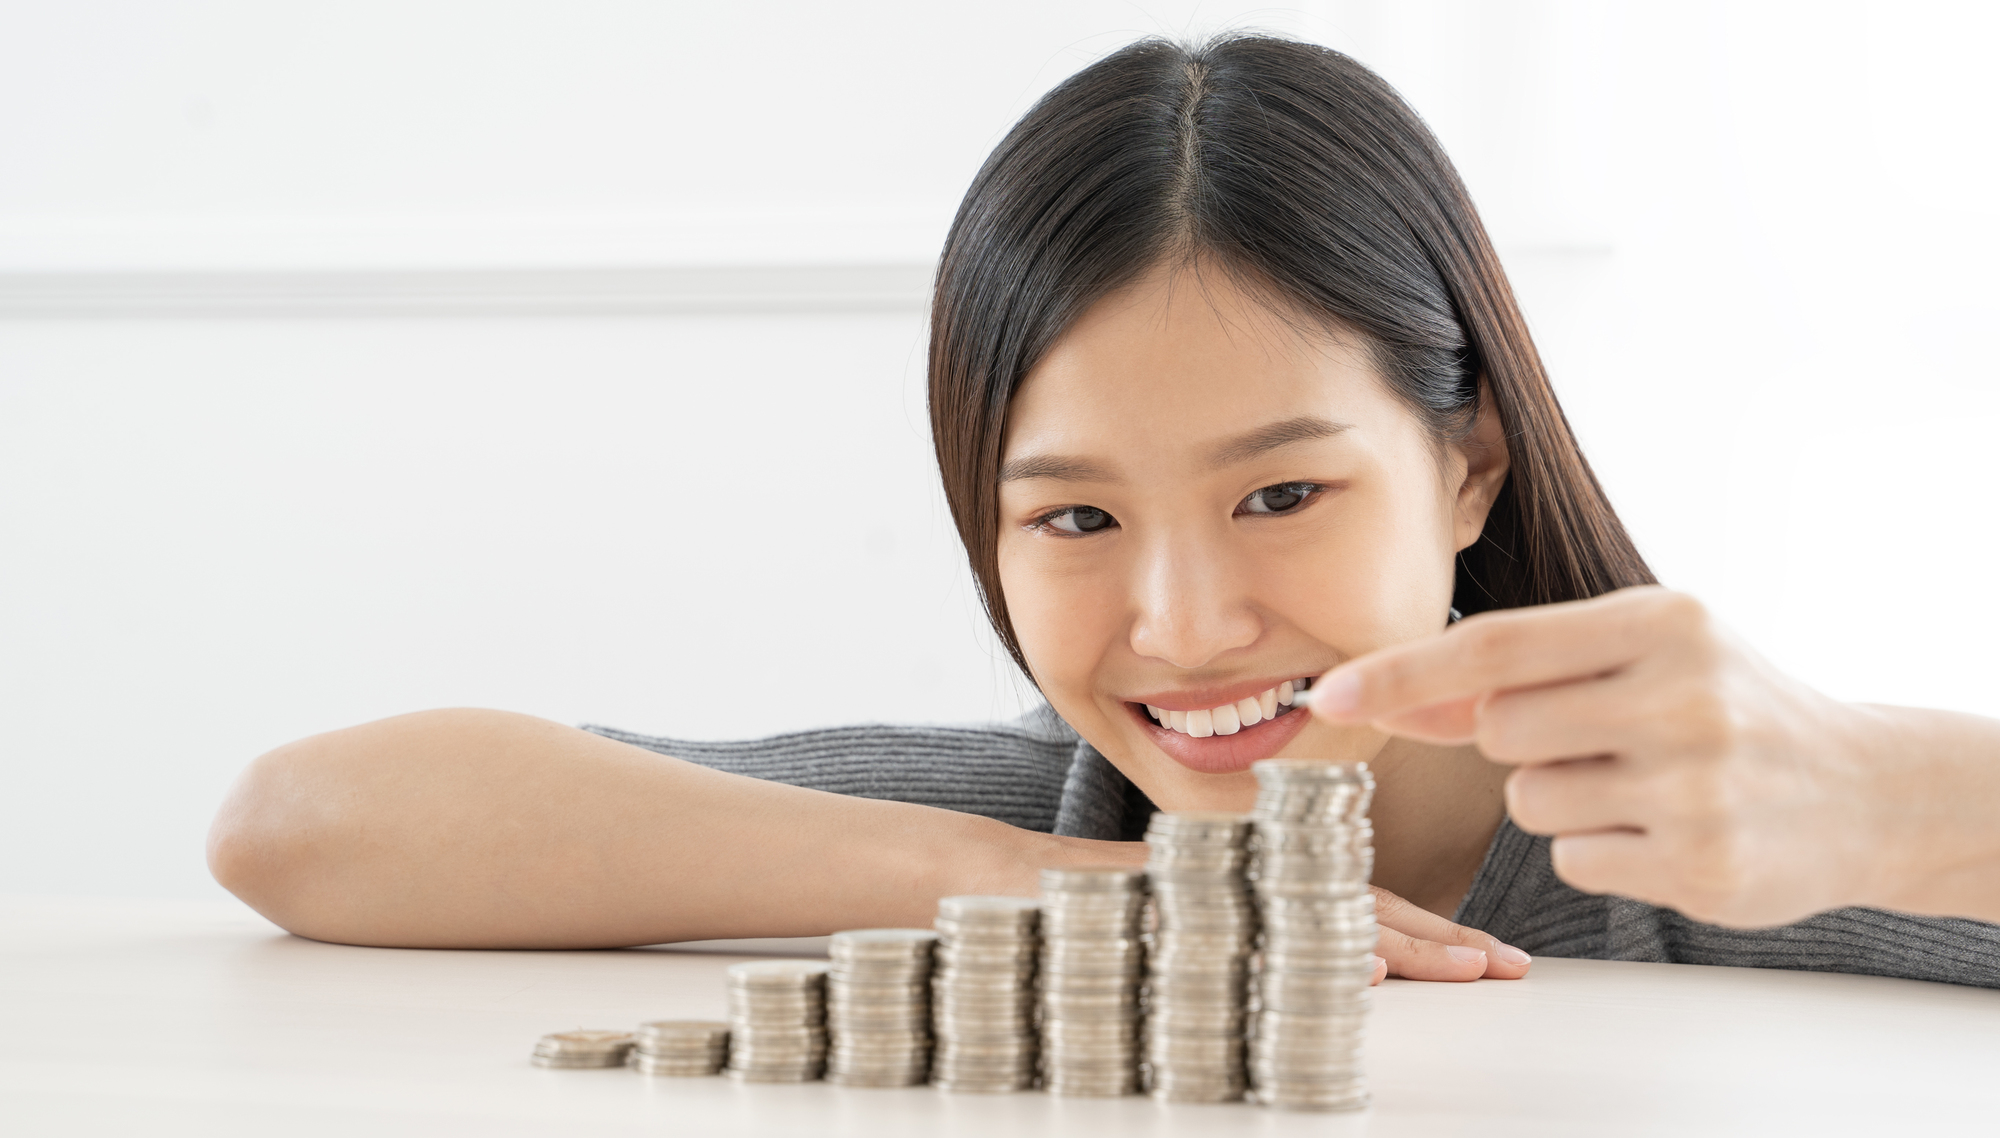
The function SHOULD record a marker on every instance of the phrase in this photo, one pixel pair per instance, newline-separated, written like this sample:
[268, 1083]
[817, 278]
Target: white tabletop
[199, 1018]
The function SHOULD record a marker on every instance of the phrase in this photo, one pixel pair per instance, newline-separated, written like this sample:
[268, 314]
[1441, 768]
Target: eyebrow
[1242, 448]
[1062, 468]
[1270, 437]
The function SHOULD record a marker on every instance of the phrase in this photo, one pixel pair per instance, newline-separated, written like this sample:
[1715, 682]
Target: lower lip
[1225, 754]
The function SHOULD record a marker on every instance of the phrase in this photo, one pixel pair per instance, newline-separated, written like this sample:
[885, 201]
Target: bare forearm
[1938, 804]
[482, 829]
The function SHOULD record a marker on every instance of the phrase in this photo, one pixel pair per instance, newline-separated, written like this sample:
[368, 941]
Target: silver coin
[1074, 920]
[901, 1037]
[983, 1082]
[1096, 982]
[877, 987]
[1334, 1100]
[1288, 867]
[677, 1071]
[774, 1075]
[1196, 987]
[1291, 772]
[607, 1059]
[1187, 961]
[984, 956]
[778, 973]
[1091, 1007]
[583, 1042]
[877, 1079]
[1164, 856]
[661, 1033]
[743, 1020]
[1092, 879]
[983, 936]
[1091, 1086]
[1353, 957]
[1277, 836]
[1175, 1020]
[973, 909]
[1224, 941]
[1312, 888]
[1199, 826]
[858, 943]
[1095, 930]
[1198, 1092]
[1195, 1050]
[1322, 1023]
[1087, 1032]
[1079, 972]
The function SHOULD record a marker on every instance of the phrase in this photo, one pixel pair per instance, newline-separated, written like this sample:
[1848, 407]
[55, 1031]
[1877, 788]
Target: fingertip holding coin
[1333, 696]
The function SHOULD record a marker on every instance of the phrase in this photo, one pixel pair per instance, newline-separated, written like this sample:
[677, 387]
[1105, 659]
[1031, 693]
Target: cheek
[1066, 618]
[1381, 574]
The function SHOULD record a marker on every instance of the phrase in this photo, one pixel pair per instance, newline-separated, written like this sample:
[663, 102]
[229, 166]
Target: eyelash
[1307, 491]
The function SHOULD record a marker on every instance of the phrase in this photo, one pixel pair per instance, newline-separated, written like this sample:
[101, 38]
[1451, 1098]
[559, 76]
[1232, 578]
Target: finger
[1450, 724]
[1415, 959]
[1618, 862]
[1421, 927]
[1563, 721]
[1518, 648]
[1381, 971]
[1576, 797]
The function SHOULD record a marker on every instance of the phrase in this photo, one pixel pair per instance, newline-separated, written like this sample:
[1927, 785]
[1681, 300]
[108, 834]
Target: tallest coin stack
[1311, 854]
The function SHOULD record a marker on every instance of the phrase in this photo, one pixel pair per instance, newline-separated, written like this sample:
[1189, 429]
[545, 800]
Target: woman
[1231, 400]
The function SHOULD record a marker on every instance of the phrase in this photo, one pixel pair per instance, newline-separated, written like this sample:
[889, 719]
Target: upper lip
[1203, 698]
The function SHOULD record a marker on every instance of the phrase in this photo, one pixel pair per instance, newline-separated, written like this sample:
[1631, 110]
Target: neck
[1436, 811]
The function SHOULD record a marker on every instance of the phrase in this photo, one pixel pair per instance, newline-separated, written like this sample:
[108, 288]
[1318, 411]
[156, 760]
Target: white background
[568, 357]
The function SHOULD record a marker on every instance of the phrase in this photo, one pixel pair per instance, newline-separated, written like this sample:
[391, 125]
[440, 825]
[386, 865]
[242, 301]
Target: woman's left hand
[1672, 764]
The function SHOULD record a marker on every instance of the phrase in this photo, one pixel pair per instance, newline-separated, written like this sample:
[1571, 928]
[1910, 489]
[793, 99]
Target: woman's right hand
[1417, 944]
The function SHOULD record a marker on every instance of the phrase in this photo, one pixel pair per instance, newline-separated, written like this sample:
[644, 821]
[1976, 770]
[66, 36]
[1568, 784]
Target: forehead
[1184, 357]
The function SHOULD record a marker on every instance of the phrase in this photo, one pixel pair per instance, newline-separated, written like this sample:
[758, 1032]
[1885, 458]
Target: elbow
[275, 843]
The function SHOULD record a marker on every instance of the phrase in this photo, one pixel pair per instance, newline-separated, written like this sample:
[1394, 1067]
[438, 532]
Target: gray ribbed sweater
[1037, 774]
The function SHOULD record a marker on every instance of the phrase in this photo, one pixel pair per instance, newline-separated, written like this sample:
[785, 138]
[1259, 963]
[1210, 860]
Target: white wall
[568, 358]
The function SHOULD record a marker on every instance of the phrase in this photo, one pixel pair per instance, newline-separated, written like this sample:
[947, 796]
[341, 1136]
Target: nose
[1189, 603]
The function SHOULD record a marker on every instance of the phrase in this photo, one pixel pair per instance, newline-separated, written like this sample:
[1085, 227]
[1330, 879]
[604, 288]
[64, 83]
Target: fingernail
[1508, 954]
[1336, 695]
[1464, 954]
[1375, 961]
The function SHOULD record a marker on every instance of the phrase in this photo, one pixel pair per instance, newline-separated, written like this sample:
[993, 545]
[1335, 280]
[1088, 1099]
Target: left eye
[1280, 499]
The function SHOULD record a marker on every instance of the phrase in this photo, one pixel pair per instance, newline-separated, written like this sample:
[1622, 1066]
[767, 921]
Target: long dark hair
[1297, 169]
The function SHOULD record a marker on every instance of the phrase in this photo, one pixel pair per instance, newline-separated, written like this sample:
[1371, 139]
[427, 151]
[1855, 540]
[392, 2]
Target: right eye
[1076, 521]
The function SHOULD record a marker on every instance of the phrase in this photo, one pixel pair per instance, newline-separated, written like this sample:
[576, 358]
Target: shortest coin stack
[878, 1008]
[777, 1020]
[684, 1047]
[982, 996]
[583, 1049]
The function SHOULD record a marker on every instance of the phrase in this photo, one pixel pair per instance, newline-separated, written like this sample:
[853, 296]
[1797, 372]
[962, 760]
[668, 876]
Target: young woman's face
[1200, 504]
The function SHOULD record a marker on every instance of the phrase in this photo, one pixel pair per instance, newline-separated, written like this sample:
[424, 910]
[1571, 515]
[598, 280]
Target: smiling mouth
[1229, 718]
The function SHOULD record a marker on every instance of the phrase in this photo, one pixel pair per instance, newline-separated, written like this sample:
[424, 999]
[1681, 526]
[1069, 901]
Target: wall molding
[880, 287]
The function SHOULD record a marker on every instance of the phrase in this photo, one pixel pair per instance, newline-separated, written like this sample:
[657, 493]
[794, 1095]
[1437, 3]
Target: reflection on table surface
[198, 1017]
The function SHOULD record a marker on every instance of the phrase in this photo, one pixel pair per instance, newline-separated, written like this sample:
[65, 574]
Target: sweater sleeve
[1014, 772]
[1518, 898]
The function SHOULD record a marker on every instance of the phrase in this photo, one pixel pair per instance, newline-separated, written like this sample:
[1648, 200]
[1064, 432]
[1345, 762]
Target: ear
[1484, 453]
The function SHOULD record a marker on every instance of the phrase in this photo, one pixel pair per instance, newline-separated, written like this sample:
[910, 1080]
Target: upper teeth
[1230, 717]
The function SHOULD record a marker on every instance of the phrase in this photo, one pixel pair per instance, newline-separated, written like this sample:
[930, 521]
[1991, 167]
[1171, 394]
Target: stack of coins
[1089, 981]
[681, 1047]
[1205, 928]
[583, 1049]
[878, 1007]
[777, 1020]
[1312, 853]
[983, 994]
